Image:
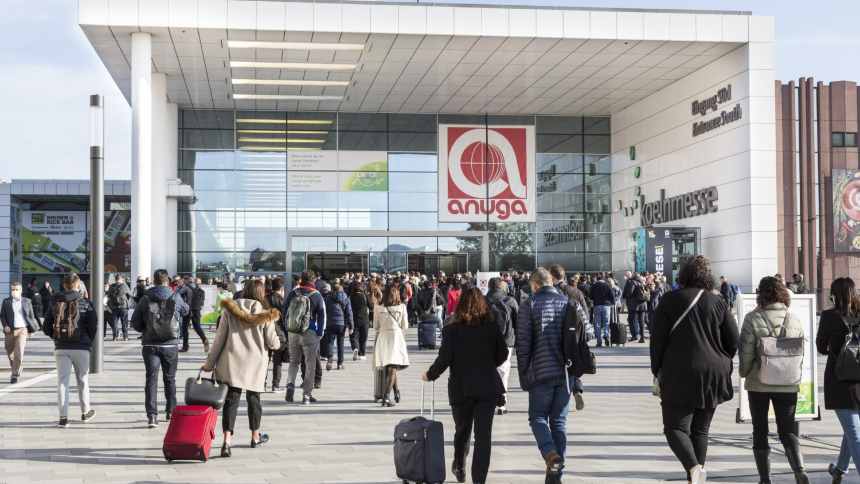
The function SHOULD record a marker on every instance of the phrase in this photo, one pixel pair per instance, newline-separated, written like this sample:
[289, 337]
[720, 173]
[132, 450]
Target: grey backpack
[780, 357]
[299, 313]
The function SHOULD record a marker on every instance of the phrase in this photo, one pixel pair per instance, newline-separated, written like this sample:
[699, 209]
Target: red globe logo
[482, 164]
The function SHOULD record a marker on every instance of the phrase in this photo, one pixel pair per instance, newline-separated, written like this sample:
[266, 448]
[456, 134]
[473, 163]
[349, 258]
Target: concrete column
[141, 154]
[165, 138]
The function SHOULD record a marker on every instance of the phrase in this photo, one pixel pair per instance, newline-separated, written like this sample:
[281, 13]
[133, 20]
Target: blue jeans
[548, 408]
[850, 449]
[602, 318]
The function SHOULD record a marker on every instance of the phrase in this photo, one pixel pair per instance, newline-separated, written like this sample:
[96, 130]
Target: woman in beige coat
[239, 356]
[391, 322]
[771, 317]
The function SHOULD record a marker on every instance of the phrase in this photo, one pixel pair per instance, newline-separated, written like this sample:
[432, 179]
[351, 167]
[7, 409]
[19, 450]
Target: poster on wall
[58, 241]
[486, 173]
[658, 252]
[332, 171]
[483, 280]
[209, 314]
[846, 211]
[803, 307]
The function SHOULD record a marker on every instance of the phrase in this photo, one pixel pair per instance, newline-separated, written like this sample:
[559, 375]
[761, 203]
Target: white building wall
[738, 158]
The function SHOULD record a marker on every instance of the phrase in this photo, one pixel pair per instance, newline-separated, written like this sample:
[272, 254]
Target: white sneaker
[354, 355]
[362, 358]
[698, 475]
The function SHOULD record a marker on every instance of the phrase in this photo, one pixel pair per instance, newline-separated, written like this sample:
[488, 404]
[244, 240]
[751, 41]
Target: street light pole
[97, 232]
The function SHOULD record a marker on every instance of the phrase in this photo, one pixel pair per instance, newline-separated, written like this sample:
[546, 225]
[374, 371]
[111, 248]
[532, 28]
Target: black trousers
[231, 408]
[784, 405]
[279, 357]
[686, 431]
[166, 358]
[119, 315]
[333, 336]
[358, 338]
[193, 317]
[478, 414]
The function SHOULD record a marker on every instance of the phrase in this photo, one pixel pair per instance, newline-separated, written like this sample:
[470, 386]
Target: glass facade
[261, 197]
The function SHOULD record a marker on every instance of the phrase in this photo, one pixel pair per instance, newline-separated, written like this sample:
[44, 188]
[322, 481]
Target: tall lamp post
[97, 232]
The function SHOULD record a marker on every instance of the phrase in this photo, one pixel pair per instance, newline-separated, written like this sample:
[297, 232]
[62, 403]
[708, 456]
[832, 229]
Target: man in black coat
[505, 308]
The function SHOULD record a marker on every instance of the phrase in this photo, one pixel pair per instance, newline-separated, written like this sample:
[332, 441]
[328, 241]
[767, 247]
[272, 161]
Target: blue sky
[48, 69]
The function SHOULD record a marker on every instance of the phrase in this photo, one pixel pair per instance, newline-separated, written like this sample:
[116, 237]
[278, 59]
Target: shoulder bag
[206, 391]
[656, 390]
[780, 358]
[848, 361]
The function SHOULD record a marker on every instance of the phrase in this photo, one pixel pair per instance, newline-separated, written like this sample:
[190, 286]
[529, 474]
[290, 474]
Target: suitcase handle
[432, 400]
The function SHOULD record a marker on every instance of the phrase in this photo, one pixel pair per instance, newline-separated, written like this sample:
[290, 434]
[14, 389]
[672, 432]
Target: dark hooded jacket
[157, 294]
[86, 326]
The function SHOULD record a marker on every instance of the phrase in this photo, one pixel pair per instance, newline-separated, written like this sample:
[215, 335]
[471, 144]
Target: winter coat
[360, 308]
[499, 297]
[139, 317]
[87, 321]
[240, 350]
[391, 324]
[694, 363]
[338, 309]
[453, 300]
[601, 294]
[832, 330]
[472, 353]
[754, 328]
[119, 294]
[540, 353]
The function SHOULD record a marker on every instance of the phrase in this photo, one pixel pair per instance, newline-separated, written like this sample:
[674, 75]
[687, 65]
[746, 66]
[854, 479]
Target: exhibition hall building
[275, 137]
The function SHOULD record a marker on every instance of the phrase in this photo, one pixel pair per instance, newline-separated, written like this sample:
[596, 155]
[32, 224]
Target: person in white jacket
[390, 352]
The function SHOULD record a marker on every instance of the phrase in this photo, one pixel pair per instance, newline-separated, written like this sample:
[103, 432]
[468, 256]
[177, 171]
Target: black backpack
[161, 321]
[502, 314]
[198, 297]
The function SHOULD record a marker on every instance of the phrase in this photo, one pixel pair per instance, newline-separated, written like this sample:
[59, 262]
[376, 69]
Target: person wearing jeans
[338, 312]
[159, 351]
[603, 298]
[541, 366]
[839, 395]
[771, 317]
[71, 323]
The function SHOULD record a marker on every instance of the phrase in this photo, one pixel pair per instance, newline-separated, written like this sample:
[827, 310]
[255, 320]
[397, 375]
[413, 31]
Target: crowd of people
[543, 318]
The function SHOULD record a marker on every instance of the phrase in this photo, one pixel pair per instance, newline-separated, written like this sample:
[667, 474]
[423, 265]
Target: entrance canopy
[386, 57]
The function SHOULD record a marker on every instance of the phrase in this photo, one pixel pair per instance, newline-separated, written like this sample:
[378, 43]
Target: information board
[483, 280]
[803, 307]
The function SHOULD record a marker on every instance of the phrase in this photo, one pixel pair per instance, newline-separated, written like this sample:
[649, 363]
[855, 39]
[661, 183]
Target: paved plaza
[347, 439]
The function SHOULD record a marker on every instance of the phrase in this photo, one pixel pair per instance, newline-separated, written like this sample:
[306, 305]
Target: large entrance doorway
[427, 263]
[336, 264]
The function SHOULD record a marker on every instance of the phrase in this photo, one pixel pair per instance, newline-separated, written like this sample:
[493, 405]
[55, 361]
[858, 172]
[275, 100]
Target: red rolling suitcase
[190, 434]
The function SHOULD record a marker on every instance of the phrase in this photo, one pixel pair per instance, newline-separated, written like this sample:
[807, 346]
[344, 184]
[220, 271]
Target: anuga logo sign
[486, 173]
[712, 104]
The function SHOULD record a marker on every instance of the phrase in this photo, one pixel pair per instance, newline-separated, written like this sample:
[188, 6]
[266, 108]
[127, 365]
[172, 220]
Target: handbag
[205, 391]
[848, 360]
[656, 389]
[780, 357]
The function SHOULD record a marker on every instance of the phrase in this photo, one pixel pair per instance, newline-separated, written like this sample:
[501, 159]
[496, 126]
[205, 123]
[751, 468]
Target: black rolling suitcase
[618, 334]
[380, 383]
[428, 335]
[419, 447]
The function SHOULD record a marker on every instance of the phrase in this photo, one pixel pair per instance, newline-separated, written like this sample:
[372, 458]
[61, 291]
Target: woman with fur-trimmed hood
[239, 357]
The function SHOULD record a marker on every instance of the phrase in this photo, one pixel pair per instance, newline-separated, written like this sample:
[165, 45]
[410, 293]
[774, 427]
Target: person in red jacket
[454, 292]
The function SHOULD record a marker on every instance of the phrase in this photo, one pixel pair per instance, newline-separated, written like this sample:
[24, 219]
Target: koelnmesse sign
[712, 104]
[692, 204]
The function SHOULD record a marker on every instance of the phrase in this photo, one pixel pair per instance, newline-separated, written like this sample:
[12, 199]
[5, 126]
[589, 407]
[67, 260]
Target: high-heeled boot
[791, 444]
[762, 463]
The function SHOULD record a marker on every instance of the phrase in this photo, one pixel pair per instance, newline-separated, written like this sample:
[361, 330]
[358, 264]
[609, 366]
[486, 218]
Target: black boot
[762, 463]
[795, 460]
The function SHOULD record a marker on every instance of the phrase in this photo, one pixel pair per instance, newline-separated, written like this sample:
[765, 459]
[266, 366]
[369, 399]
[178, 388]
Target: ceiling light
[280, 131]
[277, 148]
[281, 140]
[303, 66]
[287, 97]
[256, 44]
[288, 82]
[284, 121]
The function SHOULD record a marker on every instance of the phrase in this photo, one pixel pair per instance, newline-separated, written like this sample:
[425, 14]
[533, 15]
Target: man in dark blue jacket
[306, 344]
[159, 351]
[604, 300]
[541, 365]
[338, 323]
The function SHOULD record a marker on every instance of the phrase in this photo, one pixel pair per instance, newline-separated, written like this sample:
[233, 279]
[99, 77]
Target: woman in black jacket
[473, 347]
[841, 396]
[361, 320]
[691, 358]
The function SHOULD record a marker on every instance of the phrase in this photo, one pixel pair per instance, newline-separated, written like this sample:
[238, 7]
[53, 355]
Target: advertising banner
[803, 307]
[486, 173]
[332, 171]
[658, 252]
[209, 314]
[483, 280]
[846, 211]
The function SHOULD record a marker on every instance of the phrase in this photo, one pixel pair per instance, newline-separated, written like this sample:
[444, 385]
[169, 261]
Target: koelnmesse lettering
[693, 204]
[704, 106]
